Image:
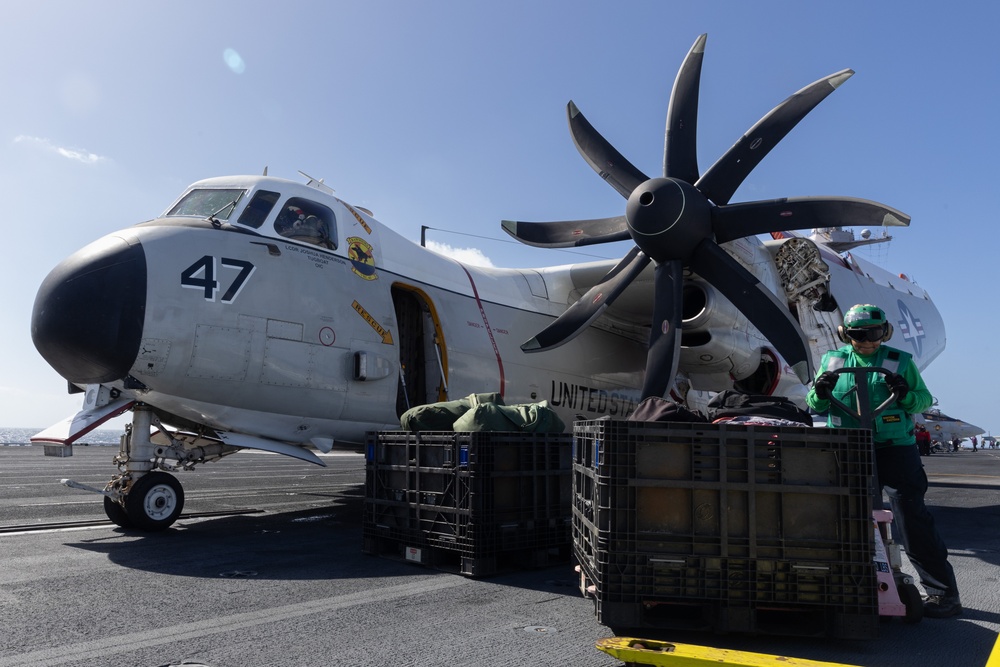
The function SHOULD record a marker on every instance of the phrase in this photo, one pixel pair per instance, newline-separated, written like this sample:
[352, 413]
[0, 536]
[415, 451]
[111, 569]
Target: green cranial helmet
[864, 315]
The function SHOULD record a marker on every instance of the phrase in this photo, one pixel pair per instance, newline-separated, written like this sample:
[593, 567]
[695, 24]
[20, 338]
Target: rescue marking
[383, 333]
[357, 217]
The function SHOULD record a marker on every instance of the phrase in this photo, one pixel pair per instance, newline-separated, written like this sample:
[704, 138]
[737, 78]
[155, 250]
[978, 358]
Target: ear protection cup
[888, 332]
[842, 335]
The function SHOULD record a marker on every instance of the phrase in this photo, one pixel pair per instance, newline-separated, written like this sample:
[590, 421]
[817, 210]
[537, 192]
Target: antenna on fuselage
[317, 183]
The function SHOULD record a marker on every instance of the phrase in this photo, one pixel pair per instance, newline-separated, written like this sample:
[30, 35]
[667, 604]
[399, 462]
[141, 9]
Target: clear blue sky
[452, 114]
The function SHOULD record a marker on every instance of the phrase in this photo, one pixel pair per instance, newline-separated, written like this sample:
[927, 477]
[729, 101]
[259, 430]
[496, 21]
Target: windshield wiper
[215, 221]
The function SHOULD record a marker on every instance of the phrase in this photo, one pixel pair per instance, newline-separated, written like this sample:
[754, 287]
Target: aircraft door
[422, 357]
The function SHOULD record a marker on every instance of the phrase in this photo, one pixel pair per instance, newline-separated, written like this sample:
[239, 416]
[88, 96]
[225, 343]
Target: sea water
[22, 437]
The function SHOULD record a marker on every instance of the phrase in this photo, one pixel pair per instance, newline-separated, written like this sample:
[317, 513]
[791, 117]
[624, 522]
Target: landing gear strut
[143, 495]
[140, 497]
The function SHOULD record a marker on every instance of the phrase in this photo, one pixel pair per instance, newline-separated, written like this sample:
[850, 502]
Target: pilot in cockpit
[297, 224]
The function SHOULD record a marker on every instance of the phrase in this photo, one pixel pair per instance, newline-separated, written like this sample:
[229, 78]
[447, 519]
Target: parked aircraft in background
[261, 313]
[943, 428]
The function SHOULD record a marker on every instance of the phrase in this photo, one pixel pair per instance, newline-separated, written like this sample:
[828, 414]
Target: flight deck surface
[265, 567]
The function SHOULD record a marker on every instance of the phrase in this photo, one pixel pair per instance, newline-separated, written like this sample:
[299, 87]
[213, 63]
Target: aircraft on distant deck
[943, 428]
[261, 313]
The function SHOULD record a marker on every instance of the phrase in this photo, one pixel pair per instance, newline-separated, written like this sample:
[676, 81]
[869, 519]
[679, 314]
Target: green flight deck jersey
[895, 425]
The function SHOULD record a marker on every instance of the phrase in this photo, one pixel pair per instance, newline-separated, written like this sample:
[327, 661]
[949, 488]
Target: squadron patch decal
[359, 252]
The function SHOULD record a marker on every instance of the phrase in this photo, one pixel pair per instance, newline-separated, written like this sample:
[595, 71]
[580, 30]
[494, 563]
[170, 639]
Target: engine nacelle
[718, 344]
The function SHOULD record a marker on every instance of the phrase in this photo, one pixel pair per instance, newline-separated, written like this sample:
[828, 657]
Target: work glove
[824, 384]
[898, 384]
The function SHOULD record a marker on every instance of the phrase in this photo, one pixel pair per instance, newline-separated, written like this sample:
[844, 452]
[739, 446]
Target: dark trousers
[901, 474]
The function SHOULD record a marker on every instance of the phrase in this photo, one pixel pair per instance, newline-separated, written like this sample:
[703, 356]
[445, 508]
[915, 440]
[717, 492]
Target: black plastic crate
[734, 520]
[469, 497]
[790, 620]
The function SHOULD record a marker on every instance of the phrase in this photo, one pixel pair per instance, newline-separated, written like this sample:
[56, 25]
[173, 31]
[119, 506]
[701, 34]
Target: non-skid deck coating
[288, 584]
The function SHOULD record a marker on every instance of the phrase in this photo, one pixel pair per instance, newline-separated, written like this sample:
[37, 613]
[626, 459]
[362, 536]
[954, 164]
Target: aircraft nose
[88, 314]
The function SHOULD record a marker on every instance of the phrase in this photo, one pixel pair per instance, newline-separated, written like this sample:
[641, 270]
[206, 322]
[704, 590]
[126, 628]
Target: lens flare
[234, 61]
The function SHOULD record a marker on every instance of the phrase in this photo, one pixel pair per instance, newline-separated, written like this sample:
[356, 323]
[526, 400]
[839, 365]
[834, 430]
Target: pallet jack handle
[864, 414]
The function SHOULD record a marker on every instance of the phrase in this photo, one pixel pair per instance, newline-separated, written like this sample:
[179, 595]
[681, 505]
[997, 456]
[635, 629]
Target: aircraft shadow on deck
[320, 543]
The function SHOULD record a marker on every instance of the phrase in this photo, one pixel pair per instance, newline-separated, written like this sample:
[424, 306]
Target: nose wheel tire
[154, 502]
[116, 513]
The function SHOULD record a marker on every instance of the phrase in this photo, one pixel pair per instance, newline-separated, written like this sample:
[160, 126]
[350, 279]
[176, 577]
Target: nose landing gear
[152, 502]
[143, 495]
[140, 497]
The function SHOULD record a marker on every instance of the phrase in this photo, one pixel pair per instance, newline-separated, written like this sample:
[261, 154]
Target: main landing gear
[142, 496]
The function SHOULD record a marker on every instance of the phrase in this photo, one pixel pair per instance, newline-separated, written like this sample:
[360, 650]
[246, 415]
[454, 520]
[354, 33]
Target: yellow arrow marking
[385, 334]
[360, 220]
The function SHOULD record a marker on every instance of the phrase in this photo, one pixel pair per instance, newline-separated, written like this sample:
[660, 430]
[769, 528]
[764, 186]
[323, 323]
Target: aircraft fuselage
[242, 328]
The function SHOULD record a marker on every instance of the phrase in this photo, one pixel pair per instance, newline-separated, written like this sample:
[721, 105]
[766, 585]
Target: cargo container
[478, 502]
[730, 528]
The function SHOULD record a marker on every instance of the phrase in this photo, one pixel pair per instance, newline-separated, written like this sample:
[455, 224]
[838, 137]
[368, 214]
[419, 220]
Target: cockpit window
[258, 209]
[305, 220]
[218, 204]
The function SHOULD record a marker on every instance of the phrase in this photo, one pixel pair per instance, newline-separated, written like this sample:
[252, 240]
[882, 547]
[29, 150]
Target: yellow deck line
[651, 652]
[994, 660]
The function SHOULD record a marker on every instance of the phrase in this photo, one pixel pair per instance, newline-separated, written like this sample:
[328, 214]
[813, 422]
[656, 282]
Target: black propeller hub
[668, 218]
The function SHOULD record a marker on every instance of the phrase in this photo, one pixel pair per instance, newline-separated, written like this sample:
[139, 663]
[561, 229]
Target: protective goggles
[866, 335]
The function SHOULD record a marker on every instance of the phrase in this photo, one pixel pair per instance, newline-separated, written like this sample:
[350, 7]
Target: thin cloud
[85, 157]
[473, 256]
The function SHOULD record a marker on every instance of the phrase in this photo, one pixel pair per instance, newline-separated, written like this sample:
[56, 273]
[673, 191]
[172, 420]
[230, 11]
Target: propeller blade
[781, 215]
[680, 143]
[601, 155]
[568, 233]
[722, 179]
[764, 310]
[589, 307]
[663, 355]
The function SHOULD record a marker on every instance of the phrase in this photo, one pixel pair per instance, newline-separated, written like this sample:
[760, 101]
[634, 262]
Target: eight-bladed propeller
[678, 221]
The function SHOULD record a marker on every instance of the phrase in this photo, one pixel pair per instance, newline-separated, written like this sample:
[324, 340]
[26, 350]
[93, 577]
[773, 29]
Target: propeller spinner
[679, 220]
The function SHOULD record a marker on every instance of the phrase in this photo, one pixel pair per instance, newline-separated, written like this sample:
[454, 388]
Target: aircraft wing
[634, 306]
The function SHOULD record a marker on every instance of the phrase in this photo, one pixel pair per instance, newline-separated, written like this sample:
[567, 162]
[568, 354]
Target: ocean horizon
[21, 437]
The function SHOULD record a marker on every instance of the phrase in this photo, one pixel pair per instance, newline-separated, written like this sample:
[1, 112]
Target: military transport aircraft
[262, 313]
